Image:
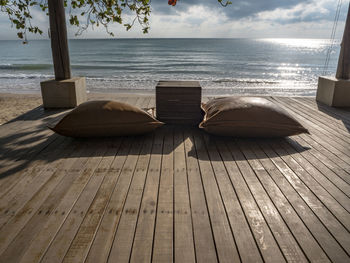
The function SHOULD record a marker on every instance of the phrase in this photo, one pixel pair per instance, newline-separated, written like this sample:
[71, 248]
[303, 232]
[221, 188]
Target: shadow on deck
[341, 114]
[178, 194]
[38, 144]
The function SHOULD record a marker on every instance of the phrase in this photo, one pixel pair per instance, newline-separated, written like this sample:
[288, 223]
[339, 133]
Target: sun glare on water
[299, 42]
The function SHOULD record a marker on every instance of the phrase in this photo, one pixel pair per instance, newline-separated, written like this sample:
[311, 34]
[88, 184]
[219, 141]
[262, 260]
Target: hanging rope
[332, 38]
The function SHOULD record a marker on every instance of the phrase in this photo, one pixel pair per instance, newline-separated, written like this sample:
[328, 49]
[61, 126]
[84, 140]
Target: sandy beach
[13, 105]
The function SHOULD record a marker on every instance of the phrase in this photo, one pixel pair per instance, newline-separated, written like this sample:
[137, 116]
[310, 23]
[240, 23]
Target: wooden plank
[21, 145]
[318, 154]
[163, 233]
[319, 151]
[10, 146]
[23, 154]
[32, 123]
[328, 201]
[202, 231]
[43, 239]
[281, 232]
[335, 175]
[143, 239]
[328, 179]
[323, 139]
[29, 122]
[24, 144]
[242, 232]
[184, 250]
[340, 139]
[225, 243]
[327, 218]
[120, 227]
[331, 247]
[272, 182]
[315, 120]
[342, 114]
[321, 120]
[327, 113]
[340, 142]
[308, 244]
[12, 165]
[6, 129]
[41, 214]
[107, 192]
[267, 245]
[12, 203]
[67, 232]
[19, 173]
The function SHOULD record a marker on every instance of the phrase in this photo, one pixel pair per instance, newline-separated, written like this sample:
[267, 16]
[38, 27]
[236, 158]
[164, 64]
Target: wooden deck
[176, 195]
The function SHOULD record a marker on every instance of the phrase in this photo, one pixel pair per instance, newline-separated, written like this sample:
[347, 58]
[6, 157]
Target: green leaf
[91, 12]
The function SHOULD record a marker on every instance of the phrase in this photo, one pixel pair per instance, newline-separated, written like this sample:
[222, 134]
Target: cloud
[303, 12]
[250, 18]
[238, 9]
[207, 18]
[277, 10]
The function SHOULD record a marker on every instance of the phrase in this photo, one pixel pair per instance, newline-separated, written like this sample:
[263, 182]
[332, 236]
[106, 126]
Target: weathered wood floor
[176, 195]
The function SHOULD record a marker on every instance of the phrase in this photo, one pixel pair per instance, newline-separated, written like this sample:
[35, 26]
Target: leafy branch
[19, 14]
[82, 14]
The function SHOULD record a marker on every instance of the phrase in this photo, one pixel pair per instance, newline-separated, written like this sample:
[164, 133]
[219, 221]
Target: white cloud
[204, 21]
[314, 10]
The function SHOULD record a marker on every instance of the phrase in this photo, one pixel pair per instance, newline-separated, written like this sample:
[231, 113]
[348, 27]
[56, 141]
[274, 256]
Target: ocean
[286, 67]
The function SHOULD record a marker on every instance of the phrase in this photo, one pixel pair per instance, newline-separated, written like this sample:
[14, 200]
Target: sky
[208, 19]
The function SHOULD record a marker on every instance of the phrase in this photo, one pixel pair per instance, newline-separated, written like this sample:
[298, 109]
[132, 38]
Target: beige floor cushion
[106, 118]
[248, 117]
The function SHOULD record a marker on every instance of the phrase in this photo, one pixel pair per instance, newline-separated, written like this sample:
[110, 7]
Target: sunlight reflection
[299, 42]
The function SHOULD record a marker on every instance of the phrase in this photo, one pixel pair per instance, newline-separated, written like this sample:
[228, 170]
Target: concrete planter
[67, 93]
[333, 92]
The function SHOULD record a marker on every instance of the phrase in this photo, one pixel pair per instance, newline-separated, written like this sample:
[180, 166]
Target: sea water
[288, 67]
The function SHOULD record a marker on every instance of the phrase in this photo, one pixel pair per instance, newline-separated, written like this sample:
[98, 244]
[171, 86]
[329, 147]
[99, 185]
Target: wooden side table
[179, 102]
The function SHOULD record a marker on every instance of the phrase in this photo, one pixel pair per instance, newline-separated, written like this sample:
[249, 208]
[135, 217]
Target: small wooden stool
[179, 102]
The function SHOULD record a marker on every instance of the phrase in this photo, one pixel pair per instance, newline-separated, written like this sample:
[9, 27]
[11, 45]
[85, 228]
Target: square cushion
[105, 118]
[248, 117]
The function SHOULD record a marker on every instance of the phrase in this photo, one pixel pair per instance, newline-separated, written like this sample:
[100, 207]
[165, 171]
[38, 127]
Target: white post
[335, 91]
[343, 70]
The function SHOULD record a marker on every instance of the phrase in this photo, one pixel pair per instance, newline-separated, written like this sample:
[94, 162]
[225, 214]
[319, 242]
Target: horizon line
[142, 38]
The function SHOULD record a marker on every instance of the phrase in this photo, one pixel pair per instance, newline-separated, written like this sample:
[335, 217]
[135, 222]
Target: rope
[332, 38]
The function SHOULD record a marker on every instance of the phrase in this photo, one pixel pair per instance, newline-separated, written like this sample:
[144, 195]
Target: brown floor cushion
[248, 117]
[106, 118]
